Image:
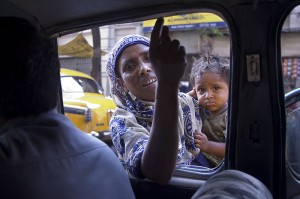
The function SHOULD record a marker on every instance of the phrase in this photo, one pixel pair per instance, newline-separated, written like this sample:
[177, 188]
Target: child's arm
[211, 147]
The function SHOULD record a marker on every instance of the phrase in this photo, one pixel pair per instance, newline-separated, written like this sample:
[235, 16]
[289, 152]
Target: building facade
[200, 34]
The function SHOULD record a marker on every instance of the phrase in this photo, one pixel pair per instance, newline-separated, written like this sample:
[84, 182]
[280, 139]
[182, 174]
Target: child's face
[212, 92]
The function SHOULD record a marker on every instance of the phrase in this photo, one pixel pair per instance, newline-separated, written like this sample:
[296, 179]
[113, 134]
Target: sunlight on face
[136, 72]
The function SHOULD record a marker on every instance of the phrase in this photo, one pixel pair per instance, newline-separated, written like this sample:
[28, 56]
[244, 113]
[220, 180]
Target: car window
[290, 49]
[290, 40]
[293, 130]
[70, 85]
[78, 85]
[202, 33]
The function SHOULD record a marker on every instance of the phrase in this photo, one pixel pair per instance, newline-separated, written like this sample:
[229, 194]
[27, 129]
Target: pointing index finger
[156, 33]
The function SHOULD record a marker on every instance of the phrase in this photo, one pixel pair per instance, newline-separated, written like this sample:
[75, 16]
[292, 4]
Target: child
[209, 77]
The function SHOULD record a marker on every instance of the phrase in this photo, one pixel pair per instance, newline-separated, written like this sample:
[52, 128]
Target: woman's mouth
[150, 81]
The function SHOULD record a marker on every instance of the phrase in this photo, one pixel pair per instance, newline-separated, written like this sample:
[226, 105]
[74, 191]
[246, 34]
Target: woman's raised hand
[167, 57]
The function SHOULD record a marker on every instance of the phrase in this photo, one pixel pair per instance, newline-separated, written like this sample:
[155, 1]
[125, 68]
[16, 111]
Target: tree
[96, 60]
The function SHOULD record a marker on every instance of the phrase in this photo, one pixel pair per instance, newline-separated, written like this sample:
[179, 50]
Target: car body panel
[78, 104]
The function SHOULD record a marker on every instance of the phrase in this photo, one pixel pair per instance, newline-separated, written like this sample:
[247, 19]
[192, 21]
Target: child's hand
[192, 93]
[201, 141]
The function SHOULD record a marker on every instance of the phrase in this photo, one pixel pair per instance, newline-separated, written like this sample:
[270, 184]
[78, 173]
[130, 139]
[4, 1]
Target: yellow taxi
[85, 104]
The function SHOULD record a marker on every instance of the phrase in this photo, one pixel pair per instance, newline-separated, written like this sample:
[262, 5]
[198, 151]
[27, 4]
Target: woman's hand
[167, 57]
[168, 60]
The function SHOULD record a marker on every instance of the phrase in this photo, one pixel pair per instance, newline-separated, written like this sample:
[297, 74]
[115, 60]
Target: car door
[256, 96]
[292, 100]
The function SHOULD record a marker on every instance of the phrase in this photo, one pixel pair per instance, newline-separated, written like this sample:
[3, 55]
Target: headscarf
[131, 123]
[121, 98]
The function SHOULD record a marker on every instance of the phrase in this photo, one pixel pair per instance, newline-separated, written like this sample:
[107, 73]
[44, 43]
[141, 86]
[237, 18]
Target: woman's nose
[145, 68]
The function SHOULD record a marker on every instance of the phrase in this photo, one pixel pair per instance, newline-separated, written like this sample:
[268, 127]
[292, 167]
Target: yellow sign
[194, 18]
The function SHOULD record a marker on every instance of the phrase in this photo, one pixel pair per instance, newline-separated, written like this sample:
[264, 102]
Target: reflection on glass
[78, 85]
[290, 48]
[293, 140]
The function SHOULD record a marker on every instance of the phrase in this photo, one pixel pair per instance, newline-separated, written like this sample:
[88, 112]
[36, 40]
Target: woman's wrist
[168, 88]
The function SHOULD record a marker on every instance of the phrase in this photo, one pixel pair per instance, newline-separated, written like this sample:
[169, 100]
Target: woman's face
[137, 75]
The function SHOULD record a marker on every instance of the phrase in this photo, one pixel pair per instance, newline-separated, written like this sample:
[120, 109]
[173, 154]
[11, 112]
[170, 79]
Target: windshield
[79, 85]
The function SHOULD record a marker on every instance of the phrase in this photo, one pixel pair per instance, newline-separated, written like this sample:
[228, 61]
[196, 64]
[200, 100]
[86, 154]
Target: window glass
[290, 40]
[290, 48]
[70, 85]
[200, 33]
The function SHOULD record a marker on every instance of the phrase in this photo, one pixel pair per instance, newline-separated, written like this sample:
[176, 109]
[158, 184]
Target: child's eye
[201, 90]
[217, 88]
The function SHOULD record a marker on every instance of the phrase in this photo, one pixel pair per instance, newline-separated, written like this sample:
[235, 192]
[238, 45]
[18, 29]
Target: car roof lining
[60, 17]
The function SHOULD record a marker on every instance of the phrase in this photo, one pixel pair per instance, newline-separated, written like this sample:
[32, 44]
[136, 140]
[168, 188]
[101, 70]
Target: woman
[152, 127]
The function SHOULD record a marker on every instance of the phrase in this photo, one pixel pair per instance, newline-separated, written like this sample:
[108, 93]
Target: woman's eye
[147, 57]
[129, 67]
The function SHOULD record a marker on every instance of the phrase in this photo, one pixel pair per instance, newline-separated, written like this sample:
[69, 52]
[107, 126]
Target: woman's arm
[168, 60]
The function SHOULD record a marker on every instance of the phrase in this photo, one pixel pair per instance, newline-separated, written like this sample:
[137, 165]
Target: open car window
[202, 33]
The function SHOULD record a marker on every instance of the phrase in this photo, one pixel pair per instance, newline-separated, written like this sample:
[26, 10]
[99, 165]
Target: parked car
[85, 104]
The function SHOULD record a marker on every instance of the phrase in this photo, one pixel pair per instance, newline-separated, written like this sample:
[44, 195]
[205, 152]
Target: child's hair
[211, 63]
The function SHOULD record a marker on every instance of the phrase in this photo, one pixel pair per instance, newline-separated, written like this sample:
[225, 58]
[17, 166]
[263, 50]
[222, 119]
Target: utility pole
[96, 60]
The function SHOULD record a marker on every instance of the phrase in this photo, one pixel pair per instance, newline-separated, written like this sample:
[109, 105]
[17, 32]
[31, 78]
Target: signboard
[188, 22]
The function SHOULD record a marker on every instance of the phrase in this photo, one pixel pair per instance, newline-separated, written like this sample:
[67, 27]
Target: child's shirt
[214, 127]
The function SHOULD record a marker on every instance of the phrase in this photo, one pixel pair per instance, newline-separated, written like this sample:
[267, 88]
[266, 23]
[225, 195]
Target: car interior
[263, 115]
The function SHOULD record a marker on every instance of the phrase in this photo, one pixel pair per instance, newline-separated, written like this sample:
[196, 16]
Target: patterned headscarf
[131, 123]
[121, 98]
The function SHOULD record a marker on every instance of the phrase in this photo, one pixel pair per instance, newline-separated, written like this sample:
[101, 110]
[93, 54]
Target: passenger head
[209, 78]
[29, 70]
[232, 184]
[130, 69]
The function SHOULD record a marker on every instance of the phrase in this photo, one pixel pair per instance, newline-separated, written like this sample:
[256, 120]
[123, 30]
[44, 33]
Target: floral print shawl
[131, 123]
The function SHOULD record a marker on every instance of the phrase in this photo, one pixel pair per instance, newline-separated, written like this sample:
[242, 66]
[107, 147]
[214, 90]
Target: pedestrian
[152, 128]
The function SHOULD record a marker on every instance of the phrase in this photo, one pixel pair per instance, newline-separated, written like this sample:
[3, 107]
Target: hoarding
[188, 22]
